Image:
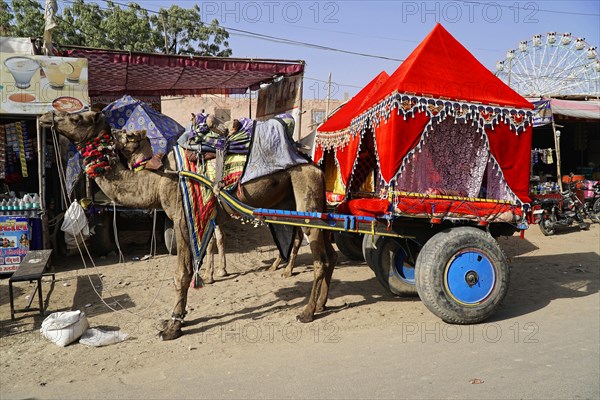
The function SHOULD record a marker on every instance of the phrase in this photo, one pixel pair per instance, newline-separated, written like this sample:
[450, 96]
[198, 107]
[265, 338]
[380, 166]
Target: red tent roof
[441, 67]
[115, 73]
[342, 118]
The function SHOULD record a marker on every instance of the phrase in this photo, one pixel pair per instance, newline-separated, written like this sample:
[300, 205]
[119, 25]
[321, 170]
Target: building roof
[116, 73]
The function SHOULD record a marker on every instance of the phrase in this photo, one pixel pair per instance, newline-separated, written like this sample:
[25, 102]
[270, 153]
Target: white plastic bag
[75, 220]
[98, 337]
[65, 327]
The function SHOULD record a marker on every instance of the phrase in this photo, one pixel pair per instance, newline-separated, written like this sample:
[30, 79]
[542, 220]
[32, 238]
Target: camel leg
[210, 257]
[321, 270]
[331, 261]
[183, 278]
[296, 246]
[276, 263]
[219, 238]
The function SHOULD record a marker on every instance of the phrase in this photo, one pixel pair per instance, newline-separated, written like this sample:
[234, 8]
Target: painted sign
[14, 242]
[32, 85]
[542, 113]
[281, 97]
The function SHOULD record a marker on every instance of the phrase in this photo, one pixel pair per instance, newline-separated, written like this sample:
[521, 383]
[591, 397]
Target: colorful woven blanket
[199, 202]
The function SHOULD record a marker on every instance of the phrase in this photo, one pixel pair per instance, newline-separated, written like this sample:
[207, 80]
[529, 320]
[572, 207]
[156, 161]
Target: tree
[29, 19]
[188, 34]
[5, 18]
[132, 28]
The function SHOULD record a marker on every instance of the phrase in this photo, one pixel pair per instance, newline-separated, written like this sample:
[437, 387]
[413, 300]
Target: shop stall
[31, 85]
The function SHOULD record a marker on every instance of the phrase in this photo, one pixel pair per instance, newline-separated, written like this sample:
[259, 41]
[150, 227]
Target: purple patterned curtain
[452, 157]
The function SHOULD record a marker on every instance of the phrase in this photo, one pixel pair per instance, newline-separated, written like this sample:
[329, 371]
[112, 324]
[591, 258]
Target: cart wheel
[369, 248]
[102, 241]
[169, 236]
[548, 224]
[350, 245]
[462, 275]
[395, 266]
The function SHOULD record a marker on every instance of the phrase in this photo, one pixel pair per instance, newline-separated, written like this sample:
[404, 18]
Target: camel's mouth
[46, 119]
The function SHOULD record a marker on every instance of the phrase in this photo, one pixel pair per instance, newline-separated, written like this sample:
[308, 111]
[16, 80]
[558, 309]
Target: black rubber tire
[547, 225]
[387, 253]
[369, 247]
[169, 236]
[433, 265]
[350, 245]
[102, 241]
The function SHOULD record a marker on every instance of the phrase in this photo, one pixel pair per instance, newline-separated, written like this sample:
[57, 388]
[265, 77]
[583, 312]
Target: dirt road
[241, 339]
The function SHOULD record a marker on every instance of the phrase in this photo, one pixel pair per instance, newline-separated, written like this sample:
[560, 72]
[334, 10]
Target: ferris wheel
[552, 66]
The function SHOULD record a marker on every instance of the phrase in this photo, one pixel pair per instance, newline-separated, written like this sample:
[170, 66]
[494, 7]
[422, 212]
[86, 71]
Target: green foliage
[187, 34]
[5, 18]
[29, 19]
[113, 27]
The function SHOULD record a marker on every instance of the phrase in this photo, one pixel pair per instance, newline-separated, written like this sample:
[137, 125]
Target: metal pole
[557, 145]
[41, 154]
[328, 96]
[249, 103]
[300, 107]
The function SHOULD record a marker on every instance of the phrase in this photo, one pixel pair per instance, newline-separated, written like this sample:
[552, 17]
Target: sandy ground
[244, 326]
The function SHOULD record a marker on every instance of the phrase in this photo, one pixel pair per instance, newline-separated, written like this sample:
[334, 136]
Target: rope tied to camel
[98, 155]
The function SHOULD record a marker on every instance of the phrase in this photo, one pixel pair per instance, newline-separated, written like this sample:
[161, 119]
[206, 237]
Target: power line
[494, 4]
[255, 35]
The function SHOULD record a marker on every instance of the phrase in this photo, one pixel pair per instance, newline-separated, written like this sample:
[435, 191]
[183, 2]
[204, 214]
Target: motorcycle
[592, 204]
[552, 213]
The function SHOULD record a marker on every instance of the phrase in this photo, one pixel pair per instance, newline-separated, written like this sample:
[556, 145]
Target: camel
[301, 184]
[135, 146]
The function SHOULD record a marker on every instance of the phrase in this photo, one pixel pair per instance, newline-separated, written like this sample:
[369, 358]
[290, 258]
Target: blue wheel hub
[404, 269]
[470, 277]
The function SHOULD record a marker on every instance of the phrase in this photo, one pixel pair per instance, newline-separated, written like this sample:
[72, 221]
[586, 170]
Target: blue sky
[389, 29]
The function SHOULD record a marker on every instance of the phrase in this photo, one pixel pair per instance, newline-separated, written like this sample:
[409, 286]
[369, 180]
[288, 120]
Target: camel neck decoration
[98, 155]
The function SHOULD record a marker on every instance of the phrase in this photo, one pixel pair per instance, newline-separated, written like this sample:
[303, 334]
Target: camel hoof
[321, 309]
[170, 334]
[222, 273]
[208, 281]
[286, 274]
[304, 318]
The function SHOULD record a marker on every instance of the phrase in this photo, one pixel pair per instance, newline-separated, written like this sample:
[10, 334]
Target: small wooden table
[30, 269]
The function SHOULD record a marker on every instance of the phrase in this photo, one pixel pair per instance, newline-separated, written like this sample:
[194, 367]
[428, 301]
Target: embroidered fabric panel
[453, 157]
[496, 186]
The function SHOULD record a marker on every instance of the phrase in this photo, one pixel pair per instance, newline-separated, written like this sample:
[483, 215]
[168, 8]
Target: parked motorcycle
[563, 212]
[592, 204]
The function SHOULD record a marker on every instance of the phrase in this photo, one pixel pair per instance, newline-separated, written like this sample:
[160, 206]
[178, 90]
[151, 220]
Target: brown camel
[135, 146]
[302, 184]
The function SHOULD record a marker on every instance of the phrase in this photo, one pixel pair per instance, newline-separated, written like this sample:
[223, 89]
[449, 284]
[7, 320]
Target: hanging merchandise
[28, 143]
[543, 155]
[12, 148]
[21, 144]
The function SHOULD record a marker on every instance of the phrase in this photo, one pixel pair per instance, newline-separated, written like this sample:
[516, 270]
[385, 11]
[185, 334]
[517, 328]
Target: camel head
[77, 127]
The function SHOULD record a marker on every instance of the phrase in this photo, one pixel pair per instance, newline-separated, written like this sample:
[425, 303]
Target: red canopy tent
[336, 129]
[444, 122]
